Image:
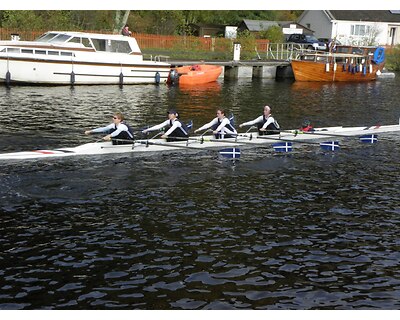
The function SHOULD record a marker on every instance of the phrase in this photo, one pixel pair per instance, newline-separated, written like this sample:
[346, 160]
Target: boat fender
[335, 66]
[121, 79]
[344, 67]
[370, 68]
[72, 78]
[379, 55]
[8, 78]
[157, 77]
[364, 70]
[327, 67]
[360, 68]
[349, 68]
[353, 69]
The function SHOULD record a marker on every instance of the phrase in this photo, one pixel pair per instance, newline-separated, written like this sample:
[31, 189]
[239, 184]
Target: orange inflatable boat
[195, 74]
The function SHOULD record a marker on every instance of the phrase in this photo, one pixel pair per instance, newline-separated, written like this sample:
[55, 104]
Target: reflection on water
[176, 230]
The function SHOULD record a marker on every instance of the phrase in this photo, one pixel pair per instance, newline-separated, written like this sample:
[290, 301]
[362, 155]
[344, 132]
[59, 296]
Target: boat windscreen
[60, 38]
[46, 37]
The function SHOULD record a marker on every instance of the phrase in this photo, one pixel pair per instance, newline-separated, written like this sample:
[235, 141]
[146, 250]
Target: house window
[359, 30]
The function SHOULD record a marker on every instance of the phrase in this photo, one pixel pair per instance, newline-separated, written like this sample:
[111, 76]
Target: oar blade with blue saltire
[369, 138]
[282, 146]
[231, 153]
[189, 125]
[232, 119]
[330, 145]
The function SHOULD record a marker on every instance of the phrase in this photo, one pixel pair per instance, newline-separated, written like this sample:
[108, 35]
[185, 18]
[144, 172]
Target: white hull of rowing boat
[208, 142]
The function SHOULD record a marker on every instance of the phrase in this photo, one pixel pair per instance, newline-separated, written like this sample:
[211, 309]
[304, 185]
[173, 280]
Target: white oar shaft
[166, 144]
[287, 140]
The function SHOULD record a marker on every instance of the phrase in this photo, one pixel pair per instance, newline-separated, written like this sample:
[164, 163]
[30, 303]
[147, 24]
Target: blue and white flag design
[282, 146]
[369, 138]
[231, 153]
[189, 125]
[330, 145]
[232, 119]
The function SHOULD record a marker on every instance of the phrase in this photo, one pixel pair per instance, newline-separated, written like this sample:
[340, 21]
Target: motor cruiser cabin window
[84, 41]
[14, 50]
[26, 51]
[75, 40]
[99, 44]
[46, 37]
[119, 46]
[40, 51]
[111, 45]
[61, 38]
[67, 54]
[53, 53]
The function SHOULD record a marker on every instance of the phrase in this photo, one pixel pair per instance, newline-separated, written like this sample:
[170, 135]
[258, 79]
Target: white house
[361, 27]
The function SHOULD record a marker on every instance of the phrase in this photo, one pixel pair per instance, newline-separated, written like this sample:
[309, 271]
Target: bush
[248, 45]
[274, 34]
[393, 59]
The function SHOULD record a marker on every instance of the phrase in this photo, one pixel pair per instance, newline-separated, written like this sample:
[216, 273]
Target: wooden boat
[195, 74]
[345, 64]
[200, 143]
[65, 57]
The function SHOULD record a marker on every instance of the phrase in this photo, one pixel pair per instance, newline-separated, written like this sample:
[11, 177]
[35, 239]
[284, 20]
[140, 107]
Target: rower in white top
[118, 131]
[266, 123]
[221, 126]
[177, 131]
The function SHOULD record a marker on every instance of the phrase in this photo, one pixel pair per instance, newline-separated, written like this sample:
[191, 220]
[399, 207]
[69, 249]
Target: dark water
[312, 230]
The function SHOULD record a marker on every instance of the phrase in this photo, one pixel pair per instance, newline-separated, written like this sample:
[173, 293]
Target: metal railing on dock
[286, 51]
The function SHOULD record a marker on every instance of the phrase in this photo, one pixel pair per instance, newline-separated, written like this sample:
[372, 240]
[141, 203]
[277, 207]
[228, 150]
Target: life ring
[379, 55]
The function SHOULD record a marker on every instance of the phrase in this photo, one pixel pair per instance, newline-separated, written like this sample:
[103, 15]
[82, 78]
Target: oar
[329, 145]
[165, 144]
[316, 133]
[201, 139]
[232, 153]
[367, 138]
[289, 140]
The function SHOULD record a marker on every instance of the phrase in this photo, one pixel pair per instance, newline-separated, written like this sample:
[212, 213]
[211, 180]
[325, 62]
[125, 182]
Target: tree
[120, 20]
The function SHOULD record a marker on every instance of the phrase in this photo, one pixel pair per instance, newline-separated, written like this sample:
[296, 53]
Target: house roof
[260, 25]
[364, 15]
